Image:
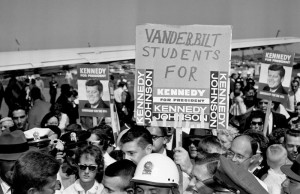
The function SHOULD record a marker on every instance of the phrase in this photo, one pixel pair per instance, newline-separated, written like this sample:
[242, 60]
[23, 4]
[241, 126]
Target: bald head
[242, 149]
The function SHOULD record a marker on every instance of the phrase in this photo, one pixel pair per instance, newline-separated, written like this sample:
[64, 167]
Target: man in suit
[160, 139]
[275, 78]
[94, 92]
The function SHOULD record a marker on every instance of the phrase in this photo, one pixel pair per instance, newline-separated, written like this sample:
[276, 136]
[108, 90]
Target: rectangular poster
[275, 76]
[93, 90]
[182, 75]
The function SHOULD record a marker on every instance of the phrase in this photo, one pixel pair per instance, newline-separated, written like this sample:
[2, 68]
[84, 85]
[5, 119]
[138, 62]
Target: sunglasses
[256, 123]
[263, 102]
[194, 141]
[90, 167]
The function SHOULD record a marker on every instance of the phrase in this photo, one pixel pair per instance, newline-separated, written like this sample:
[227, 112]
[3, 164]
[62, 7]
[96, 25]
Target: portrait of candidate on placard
[276, 77]
[94, 93]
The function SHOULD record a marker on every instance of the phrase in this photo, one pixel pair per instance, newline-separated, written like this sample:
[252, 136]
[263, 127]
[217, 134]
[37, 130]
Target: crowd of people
[45, 149]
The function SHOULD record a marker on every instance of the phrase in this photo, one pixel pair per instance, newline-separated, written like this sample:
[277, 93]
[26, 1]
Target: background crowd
[45, 149]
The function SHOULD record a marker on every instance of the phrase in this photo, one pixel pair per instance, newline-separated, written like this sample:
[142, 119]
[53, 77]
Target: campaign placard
[182, 75]
[275, 76]
[93, 90]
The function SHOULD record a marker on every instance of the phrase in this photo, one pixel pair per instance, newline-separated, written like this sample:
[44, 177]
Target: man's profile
[276, 75]
[94, 93]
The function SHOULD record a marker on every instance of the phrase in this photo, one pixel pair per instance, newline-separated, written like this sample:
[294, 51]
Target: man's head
[262, 104]
[94, 91]
[159, 138]
[35, 93]
[17, 144]
[292, 184]
[19, 117]
[257, 121]
[35, 172]
[117, 177]
[292, 143]
[295, 86]
[123, 85]
[204, 169]
[136, 143]
[275, 76]
[156, 173]
[242, 151]
[102, 137]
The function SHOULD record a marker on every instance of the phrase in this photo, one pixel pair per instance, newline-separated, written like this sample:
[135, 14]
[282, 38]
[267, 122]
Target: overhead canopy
[44, 61]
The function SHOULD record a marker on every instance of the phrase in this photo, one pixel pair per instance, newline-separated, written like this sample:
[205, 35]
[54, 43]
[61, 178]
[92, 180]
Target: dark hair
[95, 82]
[35, 93]
[275, 67]
[137, 132]
[66, 90]
[73, 127]
[276, 135]
[55, 129]
[48, 116]
[97, 154]
[259, 138]
[211, 162]
[291, 132]
[32, 170]
[105, 134]
[123, 168]
[122, 84]
[257, 114]
[33, 81]
[18, 106]
[74, 93]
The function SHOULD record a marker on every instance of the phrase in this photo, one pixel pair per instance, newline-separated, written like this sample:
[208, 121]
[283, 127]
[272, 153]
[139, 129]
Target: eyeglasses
[155, 137]
[256, 123]
[230, 154]
[90, 167]
[194, 141]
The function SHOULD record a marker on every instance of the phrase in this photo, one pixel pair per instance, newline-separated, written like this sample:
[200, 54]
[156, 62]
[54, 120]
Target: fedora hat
[292, 171]
[12, 145]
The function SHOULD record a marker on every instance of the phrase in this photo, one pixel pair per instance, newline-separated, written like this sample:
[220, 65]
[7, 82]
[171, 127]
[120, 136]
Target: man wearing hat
[292, 184]
[12, 145]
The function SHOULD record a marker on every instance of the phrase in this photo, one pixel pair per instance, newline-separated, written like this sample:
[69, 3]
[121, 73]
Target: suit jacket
[280, 89]
[170, 154]
[101, 104]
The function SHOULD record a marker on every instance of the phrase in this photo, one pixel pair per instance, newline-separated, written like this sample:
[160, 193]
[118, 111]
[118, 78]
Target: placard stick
[178, 132]
[265, 131]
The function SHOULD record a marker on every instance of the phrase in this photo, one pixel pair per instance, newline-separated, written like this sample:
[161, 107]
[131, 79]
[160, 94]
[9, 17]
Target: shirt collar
[5, 187]
[79, 188]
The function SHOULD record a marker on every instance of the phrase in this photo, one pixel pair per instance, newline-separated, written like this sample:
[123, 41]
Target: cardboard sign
[182, 75]
[93, 90]
[275, 76]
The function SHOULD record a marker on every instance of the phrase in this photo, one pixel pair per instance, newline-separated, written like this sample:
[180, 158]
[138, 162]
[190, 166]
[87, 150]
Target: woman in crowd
[89, 162]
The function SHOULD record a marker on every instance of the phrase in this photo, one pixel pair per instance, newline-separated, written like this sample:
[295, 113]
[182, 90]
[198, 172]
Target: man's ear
[149, 148]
